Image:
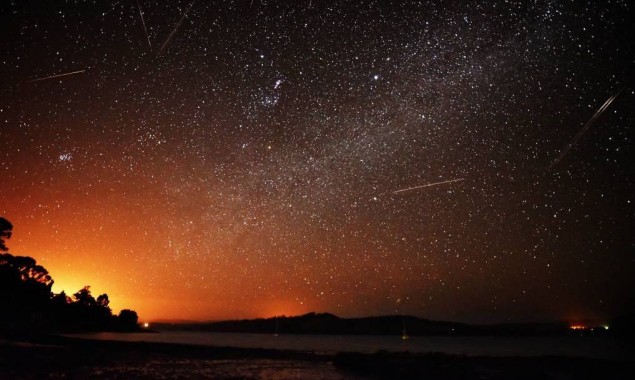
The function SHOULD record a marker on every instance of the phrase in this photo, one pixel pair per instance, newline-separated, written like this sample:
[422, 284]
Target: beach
[64, 357]
[61, 357]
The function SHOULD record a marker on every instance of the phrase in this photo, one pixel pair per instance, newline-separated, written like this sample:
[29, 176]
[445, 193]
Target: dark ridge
[326, 323]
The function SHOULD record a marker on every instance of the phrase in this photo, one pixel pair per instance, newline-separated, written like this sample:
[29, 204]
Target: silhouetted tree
[87, 313]
[22, 267]
[27, 270]
[25, 287]
[5, 233]
[127, 320]
[60, 299]
[103, 300]
[84, 298]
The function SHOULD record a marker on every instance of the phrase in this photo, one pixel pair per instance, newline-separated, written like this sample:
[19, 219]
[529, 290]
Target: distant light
[146, 325]
[606, 327]
[375, 77]
[577, 327]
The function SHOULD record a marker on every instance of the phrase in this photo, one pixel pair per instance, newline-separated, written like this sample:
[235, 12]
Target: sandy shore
[63, 357]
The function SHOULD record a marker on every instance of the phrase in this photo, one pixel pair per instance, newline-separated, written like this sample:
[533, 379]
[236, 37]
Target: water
[602, 347]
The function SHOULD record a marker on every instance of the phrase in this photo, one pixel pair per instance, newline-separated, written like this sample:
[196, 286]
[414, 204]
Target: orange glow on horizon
[144, 268]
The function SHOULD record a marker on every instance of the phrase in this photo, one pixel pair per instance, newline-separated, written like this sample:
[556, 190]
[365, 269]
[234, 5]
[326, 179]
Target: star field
[249, 167]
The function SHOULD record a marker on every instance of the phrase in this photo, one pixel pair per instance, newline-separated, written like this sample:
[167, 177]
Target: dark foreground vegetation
[27, 304]
[55, 356]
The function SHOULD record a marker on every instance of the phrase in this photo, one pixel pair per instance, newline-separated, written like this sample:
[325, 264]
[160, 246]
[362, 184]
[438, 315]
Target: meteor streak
[143, 22]
[428, 185]
[178, 24]
[57, 76]
[585, 128]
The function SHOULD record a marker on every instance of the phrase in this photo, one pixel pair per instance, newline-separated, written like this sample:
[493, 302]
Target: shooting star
[178, 24]
[585, 128]
[143, 22]
[428, 185]
[57, 76]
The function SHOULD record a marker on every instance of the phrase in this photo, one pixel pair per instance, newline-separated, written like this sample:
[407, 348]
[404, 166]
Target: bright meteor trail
[178, 24]
[586, 127]
[143, 22]
[428, 185]
[57, 76]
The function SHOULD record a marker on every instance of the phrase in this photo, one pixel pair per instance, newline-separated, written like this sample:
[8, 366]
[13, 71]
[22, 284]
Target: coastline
[59, 356]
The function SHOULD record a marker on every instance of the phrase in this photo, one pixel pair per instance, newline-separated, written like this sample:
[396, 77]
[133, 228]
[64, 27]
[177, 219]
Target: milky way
[249, 166]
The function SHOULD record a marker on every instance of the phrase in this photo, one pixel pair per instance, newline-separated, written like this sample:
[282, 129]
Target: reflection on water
[585, 346]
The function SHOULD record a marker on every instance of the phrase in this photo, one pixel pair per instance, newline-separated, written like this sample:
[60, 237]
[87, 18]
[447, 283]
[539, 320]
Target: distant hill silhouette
[27, 304]
[325, 323]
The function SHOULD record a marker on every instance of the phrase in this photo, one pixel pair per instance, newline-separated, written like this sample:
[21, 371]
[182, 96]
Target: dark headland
[330, 324]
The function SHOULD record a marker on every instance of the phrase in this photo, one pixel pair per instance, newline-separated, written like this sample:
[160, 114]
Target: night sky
[243, 158]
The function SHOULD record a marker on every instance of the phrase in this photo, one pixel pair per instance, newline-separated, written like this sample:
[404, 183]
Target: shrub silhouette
[127, 319]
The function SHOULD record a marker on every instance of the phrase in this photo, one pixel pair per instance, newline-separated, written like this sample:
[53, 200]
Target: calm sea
[604, 347]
